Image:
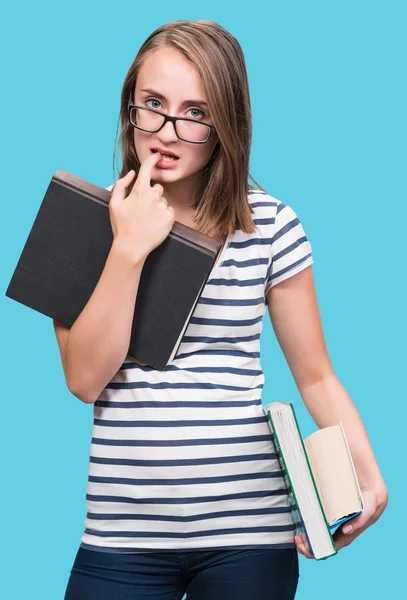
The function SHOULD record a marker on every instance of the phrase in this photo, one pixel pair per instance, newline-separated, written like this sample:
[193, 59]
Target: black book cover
[66, 251]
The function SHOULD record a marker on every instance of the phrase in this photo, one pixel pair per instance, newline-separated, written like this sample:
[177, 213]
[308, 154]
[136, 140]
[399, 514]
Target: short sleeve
[290, 250]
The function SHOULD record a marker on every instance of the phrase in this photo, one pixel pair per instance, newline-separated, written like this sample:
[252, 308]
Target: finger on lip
[154, 151]
[146, 167]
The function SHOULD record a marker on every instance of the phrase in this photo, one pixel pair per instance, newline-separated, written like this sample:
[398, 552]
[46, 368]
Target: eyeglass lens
[150, 121]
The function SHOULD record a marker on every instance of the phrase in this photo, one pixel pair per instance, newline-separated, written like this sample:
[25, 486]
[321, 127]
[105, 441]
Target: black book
[65, 254]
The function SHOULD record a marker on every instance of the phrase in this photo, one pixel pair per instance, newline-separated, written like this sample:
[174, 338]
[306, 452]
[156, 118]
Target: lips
[164, 152]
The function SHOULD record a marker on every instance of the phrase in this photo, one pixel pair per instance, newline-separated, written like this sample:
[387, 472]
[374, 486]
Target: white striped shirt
[183, 459]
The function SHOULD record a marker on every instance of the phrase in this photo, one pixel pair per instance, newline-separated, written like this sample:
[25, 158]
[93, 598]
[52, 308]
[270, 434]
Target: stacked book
[320, 476]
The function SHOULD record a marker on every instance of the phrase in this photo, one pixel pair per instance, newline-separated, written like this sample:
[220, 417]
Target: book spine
[313, 480]
[292, 498]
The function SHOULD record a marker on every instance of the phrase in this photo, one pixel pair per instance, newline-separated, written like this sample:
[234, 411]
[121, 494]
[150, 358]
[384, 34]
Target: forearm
[99, 339]
[328, 403]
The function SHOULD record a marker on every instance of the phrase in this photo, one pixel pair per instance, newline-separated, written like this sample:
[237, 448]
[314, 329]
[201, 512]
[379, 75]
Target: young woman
[185, 493]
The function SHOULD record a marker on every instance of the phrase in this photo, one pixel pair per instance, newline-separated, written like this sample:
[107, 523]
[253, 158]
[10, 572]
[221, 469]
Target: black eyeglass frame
[173, 120]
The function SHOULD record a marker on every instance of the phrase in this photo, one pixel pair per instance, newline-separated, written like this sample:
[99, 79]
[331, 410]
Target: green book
[321, 480]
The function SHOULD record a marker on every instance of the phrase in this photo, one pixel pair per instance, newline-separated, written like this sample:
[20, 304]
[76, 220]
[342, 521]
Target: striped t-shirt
[183, 459]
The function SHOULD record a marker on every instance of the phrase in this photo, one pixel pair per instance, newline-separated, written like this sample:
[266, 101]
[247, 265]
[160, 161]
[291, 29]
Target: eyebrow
[155, 93]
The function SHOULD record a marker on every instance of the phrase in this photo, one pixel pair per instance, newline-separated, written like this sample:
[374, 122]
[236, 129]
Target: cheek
[137, 137]
[200, 157]
[140, 142]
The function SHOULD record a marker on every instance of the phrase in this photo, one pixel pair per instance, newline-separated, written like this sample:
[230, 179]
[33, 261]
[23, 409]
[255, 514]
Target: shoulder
[266, 209]
[264, 203]
[272, 212]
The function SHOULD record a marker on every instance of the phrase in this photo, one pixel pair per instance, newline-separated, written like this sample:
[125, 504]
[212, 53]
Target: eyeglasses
[188, 130]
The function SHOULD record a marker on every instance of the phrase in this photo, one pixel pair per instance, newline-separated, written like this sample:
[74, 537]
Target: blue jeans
[252, 574]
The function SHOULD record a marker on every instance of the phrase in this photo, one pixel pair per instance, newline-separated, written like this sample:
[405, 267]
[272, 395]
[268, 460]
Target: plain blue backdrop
[328, 92]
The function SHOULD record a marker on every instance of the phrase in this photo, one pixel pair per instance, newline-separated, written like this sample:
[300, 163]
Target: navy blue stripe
[284, 252]
[236, 282]
[232, 301]
[245, 263]
[289, 248]
[190, 534]
[186, 480]
[206, 369]
[289, 268]
[179, 422]
[220, 352]
[225, 322]
[285, 229]
[259, 221]
[189, 518]
[251, 242]
[214, 340]
[182, 462]
[130, 550]
[188, 499]
[262, 203]
[132, 385]
[265, 221]
[178, 403]
[249, 439]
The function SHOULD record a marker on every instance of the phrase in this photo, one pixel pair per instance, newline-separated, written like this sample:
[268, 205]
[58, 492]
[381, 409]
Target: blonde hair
[222, 205]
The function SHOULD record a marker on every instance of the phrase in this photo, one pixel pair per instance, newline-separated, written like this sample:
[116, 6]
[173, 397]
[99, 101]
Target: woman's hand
[375, 502]
[143, 220]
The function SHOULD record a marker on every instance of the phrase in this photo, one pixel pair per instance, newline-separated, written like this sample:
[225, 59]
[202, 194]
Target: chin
[167, 174]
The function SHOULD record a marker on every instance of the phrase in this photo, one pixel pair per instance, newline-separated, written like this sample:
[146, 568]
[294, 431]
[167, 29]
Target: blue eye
[202, 115]
[153, 100]
[199, 110]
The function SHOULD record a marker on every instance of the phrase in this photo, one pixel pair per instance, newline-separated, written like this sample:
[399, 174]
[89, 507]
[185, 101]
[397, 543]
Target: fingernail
[348, 529]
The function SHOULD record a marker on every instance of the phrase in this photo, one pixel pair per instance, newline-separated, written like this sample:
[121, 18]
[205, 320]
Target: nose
[167, 133]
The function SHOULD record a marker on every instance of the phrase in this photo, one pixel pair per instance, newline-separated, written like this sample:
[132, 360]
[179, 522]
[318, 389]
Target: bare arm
[94, 348]
[295, 318]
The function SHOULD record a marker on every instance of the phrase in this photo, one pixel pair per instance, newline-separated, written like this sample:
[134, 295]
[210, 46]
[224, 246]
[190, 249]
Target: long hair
[222, 205]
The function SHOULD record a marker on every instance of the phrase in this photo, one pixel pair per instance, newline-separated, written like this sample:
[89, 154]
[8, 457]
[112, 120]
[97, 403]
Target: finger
[158, 188]
[144, 174]
[306, 544]
[300, 545]
[342, 539]
[303, 544]
[119, 188]
[305, 552]
[297, 544]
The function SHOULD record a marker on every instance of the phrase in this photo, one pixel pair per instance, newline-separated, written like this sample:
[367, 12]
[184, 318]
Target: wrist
[134, 256]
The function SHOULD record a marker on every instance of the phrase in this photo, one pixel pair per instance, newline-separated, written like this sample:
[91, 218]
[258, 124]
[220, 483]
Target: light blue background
[329, 106]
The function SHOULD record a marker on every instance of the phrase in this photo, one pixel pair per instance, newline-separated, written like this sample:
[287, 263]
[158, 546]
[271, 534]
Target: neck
[182, 195]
